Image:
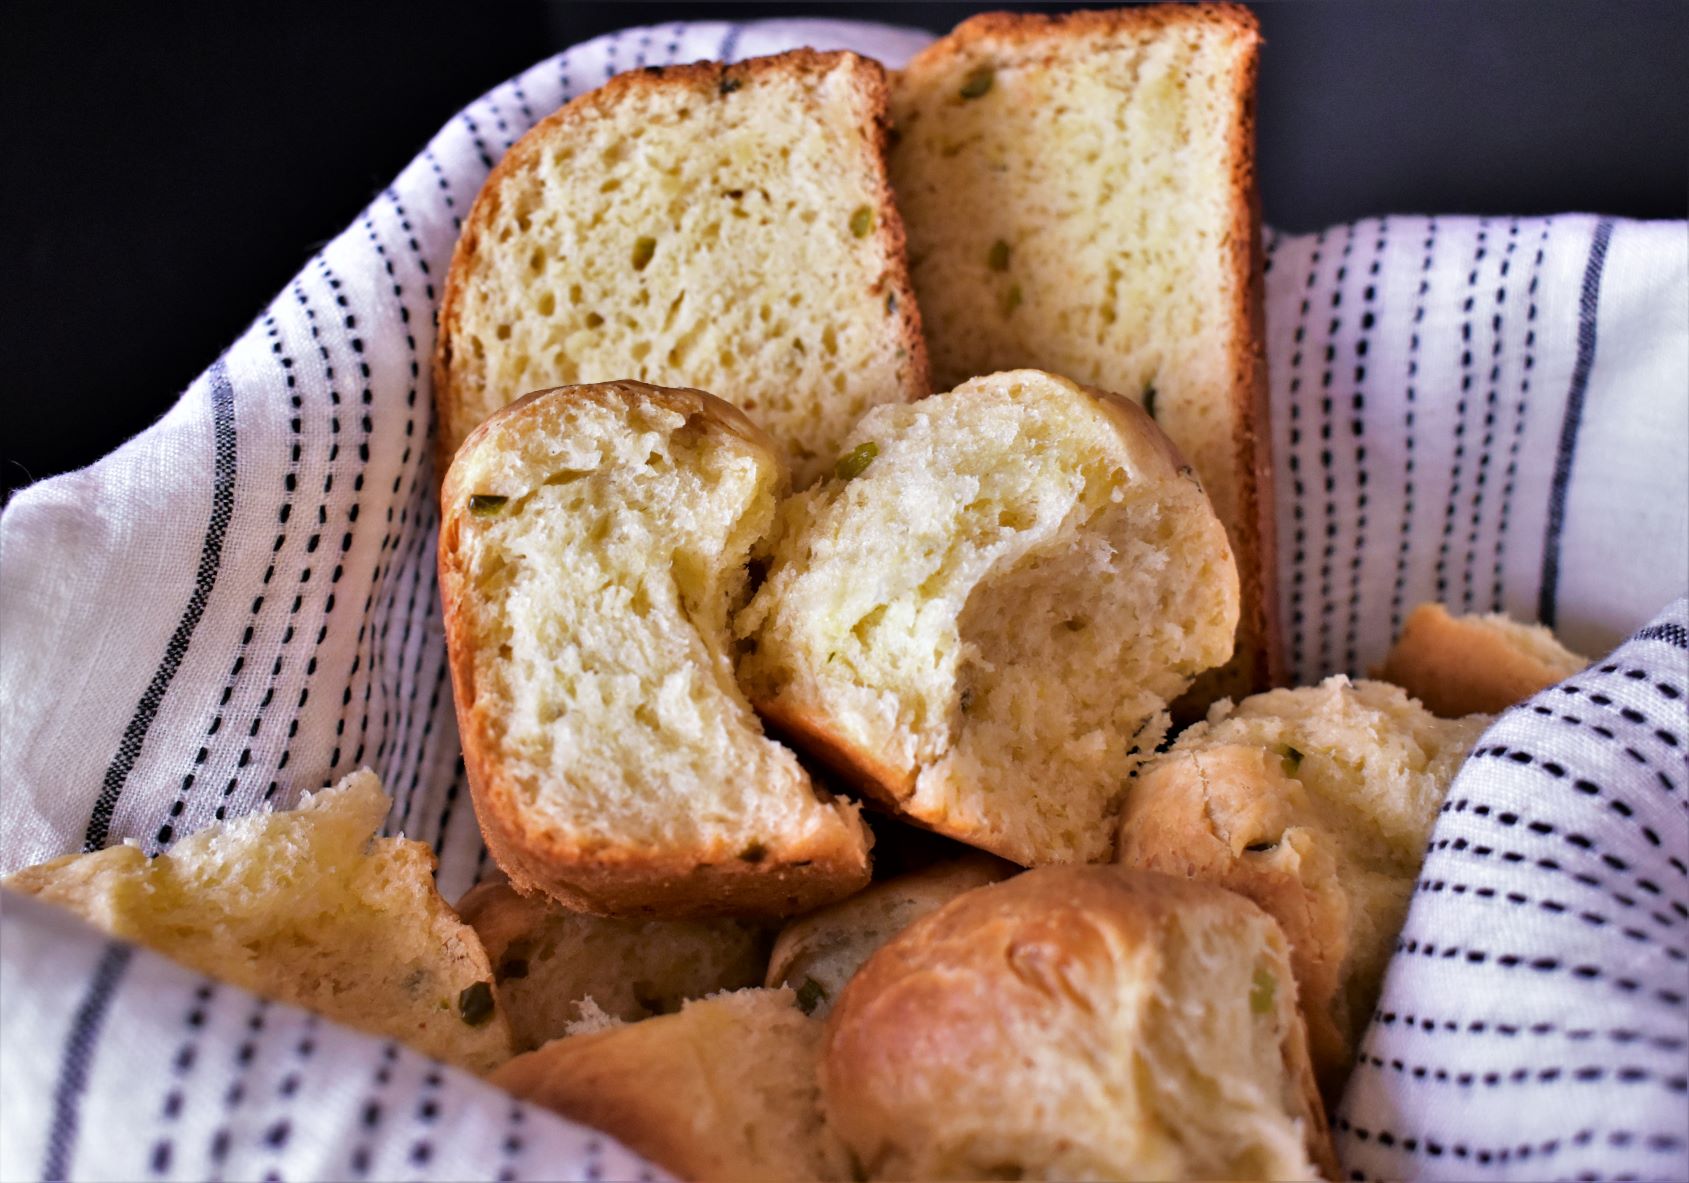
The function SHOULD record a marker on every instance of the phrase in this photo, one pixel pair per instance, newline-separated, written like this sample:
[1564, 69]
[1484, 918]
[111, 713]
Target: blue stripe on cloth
[1588, 305]
[78, 1053]
[210, 560]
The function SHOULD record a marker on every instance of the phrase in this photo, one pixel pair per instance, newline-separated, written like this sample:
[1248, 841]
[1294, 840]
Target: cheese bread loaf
[817, 954]
[723, 1092]
[979, 619]
[550, 962]
[728, 227]
[1078, 1023]
[1463, 665]
[1079, 191]
[309, 907]
[1317, 804]
[593, 546]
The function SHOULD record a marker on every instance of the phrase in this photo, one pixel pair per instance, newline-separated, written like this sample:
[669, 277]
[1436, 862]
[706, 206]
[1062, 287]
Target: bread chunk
[1078, 1023]
[1463, 665]
[728, 227]
[1079, 192]
[554, 967]
[988, 606]
[817, 954]
[309, 907]
[1317, 804]
[593, 545]
[723, 1092]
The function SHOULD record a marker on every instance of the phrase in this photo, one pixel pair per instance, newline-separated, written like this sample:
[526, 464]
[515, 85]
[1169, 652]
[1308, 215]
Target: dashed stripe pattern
[1546, 953]
[310, 642]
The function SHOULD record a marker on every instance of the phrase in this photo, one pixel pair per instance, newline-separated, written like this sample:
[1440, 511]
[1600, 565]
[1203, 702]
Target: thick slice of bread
[1078, 1023]
[1317, 804]
[1463, 665]
[727, 227]
[988, 606]
[309, 907]
[723, 1092]
[593, 546]
[548, 961]
[818, 953]
[1079, 192]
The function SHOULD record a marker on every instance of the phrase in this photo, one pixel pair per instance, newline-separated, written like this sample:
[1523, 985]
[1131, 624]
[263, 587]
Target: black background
[168, 167]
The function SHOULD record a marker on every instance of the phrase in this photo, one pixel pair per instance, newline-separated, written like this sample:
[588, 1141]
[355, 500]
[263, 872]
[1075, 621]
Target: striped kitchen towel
[240, 605]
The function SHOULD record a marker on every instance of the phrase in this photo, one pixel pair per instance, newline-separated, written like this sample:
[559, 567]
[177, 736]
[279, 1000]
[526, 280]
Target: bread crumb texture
[309, 907]
[722, 1092]
[988, 607]
[1077, 1023]
[1317, 804]
[557, 969]
[725, 227]
[594, 544]
[1079, 191]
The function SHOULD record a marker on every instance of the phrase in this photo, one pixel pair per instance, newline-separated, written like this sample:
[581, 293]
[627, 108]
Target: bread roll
[309, 907]
[1078, 1023]
[1079, 190]
[1317, 804]
[979, 619]
[723, 1092]
[549, 961]
[817, 954]
[729, 227]
[593, 546]
[1463, 665]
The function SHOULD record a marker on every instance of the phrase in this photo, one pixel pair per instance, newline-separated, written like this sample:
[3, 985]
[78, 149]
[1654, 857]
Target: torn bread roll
[593, 547]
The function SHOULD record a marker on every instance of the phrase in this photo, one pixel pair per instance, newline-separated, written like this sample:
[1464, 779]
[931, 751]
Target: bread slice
[988, 606]
[817, 954]
[305, 906]
[1079, 192]
[1462, 665]
[1317, 804]
[723, 1092]
[550, 963]
[593, 546]
[1078, 1023]
[727, 227]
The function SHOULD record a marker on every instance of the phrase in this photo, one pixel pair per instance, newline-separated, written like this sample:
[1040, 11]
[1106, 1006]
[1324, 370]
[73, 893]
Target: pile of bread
[693, 634]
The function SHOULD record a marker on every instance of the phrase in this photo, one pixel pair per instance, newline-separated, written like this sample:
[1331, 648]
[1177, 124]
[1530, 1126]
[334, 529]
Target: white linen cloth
[239, 605]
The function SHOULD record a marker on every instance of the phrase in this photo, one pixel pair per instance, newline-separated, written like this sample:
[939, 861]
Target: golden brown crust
[707, 78]
[983, 988]
[861, 771]
[793, 876]
[1258, 662]
[832, 941]
[1224, 815]
[679, 1089]
[1460, 665]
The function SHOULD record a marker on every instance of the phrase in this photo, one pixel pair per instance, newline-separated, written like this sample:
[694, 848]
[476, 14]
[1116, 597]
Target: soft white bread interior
[980, 617]
[1078, 1023]
[1463, 665]
[817, 954]
[1079, 191]
[1317, 804]
[728, 227]
[309, 907]
[549, 962]
[593, 545]
[722, 1092]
